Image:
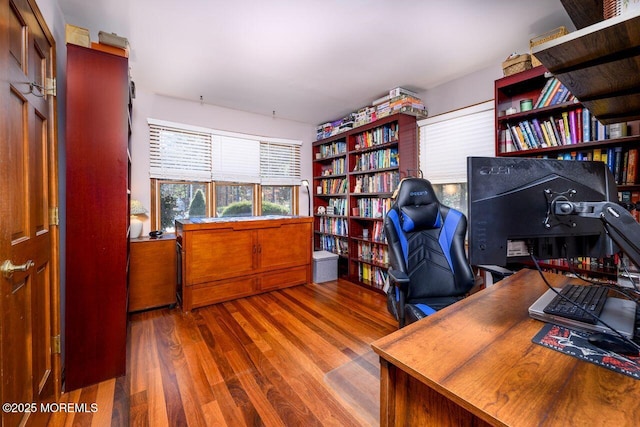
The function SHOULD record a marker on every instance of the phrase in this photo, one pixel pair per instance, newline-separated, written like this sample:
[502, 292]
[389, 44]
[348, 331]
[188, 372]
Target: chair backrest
[426, 241]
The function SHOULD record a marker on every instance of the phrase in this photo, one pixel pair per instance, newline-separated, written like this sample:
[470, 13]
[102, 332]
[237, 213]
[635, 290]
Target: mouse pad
[575, 343]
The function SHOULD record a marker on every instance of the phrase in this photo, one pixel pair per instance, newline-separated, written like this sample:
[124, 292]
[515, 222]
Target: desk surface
[479, 355]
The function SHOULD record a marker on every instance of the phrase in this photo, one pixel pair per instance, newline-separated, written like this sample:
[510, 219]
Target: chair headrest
[418, 205]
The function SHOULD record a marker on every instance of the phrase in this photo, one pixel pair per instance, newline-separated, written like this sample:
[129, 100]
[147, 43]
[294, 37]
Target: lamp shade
[137, 208]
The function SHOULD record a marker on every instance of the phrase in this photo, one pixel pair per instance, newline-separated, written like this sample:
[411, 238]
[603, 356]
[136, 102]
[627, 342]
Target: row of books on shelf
[335, 148]
[381, 182]
[553, 93]
[631, 199]
[333, 186]
[373, 207]
[380, 135]
[373, 252]
[387, 158]
[337, 167]
[373, 275]
[334, 244]
[567, 128]
[336, 226]
[337, 207]
[622, 162]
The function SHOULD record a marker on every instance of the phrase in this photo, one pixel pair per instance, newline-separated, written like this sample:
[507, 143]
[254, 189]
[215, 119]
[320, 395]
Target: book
[550, 126]
[550, 89]
[531, 138]
[543, 92]
[632, 166]
[544, 142]
[567, 131]
[552, 93]
[515, 137]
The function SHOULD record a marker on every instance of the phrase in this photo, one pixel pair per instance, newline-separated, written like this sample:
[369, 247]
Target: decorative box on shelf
[516, 64]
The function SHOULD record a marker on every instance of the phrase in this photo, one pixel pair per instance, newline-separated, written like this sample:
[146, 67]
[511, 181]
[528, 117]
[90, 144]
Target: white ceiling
[311, 60]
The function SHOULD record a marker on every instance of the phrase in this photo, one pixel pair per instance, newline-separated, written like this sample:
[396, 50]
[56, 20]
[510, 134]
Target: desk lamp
[305, 184]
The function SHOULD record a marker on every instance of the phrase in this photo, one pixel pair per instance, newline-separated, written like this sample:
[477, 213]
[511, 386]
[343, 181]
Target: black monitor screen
[509, 209]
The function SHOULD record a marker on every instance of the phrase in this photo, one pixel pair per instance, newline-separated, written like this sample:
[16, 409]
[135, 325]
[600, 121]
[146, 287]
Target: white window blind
[446, 140]
[179, 153]
[279, 163]
[236, 159]
[184, 152]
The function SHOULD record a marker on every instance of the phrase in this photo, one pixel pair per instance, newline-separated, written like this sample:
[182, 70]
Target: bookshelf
[354, 176]
[571, 131]
[598, 64]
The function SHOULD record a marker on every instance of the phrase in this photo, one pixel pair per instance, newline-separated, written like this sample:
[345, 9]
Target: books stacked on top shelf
[553, 93]
[566, 128]
[399, 100]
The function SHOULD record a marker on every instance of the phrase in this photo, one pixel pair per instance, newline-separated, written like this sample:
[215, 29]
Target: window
[234, 200]
[277, 200]
[199, 172]
[446, 140]
[181, 200]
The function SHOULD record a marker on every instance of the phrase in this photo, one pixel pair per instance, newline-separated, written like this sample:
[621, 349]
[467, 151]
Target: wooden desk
[152, 272]
[474, 364]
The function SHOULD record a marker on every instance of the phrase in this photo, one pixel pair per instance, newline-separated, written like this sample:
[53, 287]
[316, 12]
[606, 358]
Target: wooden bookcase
[354, 176]
[598, 64]
[98, 170]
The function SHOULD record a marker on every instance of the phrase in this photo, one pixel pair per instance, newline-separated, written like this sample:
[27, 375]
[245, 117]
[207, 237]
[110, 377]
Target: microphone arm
[617, 222]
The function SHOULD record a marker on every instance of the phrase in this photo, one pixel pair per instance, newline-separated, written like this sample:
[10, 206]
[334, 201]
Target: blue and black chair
[429, 269]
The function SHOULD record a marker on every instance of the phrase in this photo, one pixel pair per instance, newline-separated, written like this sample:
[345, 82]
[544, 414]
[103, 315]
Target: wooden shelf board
[590, 61]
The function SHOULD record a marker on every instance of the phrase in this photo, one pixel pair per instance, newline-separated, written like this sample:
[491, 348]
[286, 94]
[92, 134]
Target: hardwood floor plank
[259, 361]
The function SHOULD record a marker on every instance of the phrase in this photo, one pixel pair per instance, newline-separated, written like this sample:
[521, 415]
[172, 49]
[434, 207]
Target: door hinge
[54, 218]
[51, 88]
[55, 345]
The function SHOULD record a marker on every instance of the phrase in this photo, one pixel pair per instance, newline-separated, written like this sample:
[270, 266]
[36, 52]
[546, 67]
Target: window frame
[211, 197]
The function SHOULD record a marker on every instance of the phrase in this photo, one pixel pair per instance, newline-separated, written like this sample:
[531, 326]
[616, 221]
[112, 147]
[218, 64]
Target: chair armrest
[398, 277]
[496, 271]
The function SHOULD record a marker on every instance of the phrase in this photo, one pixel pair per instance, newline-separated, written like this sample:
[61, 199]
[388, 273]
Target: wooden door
[29, 300]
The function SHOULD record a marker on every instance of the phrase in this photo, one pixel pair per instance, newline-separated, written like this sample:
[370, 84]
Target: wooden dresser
[227, 258]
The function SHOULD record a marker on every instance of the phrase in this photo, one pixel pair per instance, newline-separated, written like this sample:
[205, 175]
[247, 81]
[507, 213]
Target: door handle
[7, 268]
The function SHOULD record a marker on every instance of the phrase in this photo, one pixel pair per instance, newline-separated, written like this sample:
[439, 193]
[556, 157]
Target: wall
[148, 105]
[465, 91]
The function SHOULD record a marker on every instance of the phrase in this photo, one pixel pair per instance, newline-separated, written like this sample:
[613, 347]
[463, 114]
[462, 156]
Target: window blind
[446, 140]
[184, 152]
[179, 153]
[236, 159]
[279, 163]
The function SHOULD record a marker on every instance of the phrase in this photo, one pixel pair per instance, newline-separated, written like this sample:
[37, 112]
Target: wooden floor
[262, 360]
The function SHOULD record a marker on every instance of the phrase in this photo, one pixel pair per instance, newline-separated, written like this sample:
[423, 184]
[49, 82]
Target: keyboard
[591, 299]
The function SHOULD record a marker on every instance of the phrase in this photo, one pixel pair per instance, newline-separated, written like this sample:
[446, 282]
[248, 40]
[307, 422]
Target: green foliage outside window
[198, 206]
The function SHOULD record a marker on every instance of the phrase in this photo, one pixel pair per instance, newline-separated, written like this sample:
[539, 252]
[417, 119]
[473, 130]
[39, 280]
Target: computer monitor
[511, 209]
